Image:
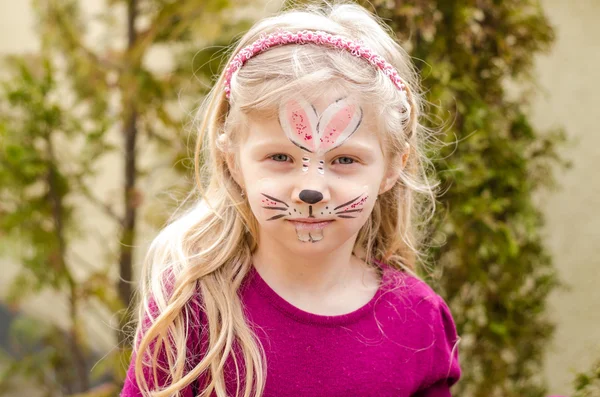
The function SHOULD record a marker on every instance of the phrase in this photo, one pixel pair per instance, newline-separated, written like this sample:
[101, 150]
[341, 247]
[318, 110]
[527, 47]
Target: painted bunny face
[315, 172]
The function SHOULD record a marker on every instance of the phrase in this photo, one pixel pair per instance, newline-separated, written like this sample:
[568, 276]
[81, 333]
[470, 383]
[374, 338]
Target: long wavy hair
[206, 249]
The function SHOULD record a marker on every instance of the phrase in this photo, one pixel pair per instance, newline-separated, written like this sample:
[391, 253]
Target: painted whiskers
[353, 206]
[346, 210]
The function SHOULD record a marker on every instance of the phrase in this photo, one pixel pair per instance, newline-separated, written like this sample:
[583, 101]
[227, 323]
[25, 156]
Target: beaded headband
[283, 37]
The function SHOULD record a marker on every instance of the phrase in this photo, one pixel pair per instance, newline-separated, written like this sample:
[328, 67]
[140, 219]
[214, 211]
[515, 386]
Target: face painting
[310, 229]
[316, 135]
[314, 172]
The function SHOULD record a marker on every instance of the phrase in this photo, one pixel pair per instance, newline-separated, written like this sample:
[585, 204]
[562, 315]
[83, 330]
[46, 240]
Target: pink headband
[282, 37]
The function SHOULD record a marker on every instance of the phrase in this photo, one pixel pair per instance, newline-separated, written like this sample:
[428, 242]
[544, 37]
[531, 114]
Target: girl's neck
[308, 280]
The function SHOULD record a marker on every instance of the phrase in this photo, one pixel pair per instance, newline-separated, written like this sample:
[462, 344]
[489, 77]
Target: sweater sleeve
[445, 367]
[131, 387]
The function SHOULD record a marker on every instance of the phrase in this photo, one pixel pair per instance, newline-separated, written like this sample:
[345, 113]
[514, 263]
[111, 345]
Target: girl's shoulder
[404, 289]
[430, 321]
[405, 282]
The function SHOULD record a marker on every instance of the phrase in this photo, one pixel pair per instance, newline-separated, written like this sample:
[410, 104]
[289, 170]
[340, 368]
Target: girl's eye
[345, 160]
[280, 157]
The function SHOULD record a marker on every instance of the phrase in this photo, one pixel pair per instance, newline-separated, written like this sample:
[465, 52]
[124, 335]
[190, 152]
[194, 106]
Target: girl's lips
[312, 224]
[310, 220]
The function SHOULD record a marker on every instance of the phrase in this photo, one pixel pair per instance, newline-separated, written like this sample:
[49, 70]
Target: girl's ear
[392, 174]
[234, 169]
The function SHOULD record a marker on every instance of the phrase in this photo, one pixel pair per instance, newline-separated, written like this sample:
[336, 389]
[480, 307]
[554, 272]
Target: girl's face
[312, 175]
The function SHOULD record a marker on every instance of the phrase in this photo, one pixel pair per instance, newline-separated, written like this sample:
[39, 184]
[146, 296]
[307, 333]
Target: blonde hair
[207, 250]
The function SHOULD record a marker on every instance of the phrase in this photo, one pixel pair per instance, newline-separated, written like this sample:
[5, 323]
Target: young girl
[292, 273]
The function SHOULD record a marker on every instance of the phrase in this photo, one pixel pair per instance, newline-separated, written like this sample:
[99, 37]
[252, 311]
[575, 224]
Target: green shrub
[489, 260]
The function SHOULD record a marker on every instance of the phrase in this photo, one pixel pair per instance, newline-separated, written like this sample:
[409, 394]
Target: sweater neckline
[303, 316]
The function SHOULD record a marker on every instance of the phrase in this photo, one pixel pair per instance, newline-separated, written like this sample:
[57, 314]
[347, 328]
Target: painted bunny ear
[337, 123]
[299, 120]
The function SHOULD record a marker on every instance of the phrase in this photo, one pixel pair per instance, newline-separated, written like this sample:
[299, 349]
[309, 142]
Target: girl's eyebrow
[352, 145]
[265, 144]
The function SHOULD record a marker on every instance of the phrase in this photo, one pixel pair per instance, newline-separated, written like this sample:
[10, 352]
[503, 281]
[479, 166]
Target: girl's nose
[315, 193]
[310, 196]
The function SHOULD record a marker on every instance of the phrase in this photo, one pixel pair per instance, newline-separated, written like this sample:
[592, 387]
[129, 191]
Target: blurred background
[96, 134]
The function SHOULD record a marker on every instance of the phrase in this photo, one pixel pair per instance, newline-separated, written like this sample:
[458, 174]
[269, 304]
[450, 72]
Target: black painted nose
[311, 196]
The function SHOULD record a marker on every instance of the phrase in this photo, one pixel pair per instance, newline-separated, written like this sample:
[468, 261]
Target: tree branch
[56, 201]
[128, 233]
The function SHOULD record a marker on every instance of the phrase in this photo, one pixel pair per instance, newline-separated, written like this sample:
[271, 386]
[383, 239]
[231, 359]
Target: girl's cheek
[354, 203]
[266, 199]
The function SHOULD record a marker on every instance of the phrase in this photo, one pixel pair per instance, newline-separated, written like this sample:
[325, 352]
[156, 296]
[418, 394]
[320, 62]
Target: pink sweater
[401, 344]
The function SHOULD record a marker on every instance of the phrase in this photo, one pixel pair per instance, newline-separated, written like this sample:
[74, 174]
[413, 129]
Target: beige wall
[570, 96]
